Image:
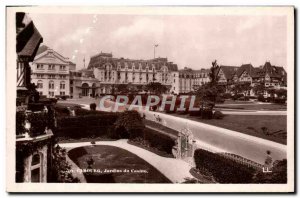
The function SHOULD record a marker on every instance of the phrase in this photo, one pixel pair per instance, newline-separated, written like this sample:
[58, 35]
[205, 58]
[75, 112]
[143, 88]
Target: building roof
[228, 71]
[248, 68]
[273, 71]
[42, 49]
[99, 61]
[28, 37]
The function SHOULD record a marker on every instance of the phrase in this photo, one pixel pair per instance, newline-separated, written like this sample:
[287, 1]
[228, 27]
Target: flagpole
[155, 45]
[84, 62]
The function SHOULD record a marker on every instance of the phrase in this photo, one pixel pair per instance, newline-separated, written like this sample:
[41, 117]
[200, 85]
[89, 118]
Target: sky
[189, 41]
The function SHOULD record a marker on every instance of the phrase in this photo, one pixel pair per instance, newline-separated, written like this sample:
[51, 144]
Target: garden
[109, 164]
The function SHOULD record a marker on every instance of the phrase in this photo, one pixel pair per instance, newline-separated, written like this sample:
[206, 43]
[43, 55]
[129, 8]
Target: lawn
[252, 125]
[115, 165]
[248, 105]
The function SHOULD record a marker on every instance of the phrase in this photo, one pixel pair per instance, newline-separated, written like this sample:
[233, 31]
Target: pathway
[174, 169]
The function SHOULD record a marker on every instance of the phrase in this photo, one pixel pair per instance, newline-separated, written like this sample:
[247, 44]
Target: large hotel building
[55, 75]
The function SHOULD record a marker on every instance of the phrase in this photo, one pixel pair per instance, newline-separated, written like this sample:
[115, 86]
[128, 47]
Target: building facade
[268, 75]
[190, 80]
[111, 71]
[84, 84]
[51, 73]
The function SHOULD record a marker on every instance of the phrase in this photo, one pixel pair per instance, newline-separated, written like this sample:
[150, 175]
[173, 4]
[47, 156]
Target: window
[40, 75]
[52, 76]
[62, 93]
[62, 67]
[40, 93]
[36, 168]
[40, 66]
[62, 85]
[51, 93]
[71, 89]
[39, 84]
[51, 67]
[51, 85]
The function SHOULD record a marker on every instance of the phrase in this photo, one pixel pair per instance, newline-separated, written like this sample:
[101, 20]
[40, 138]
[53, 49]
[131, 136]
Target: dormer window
[51, 67]
[40, 66]
[62, 67]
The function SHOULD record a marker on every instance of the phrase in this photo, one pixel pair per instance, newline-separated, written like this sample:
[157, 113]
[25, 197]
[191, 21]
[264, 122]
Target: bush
[261, 98]
[278, 175]
[253, 97]
[244, 98]
[158, 140]
[226, 95]
[218, 115]
[20, 123]
[220, 99]
[39, 122]
[93, 106]
[280, 100]
[48, 101]
[223, 169]
[129, 122]
[64, 97]
[237, 96]
[207, 113]
[82, 112]
[96, 125]
[36, 106]
[195, 113]
[60, 168]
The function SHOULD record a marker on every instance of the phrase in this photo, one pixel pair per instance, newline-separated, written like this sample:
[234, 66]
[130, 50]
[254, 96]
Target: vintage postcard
[150, 99]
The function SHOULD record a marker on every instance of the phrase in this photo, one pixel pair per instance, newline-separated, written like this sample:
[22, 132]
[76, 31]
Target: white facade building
[50, 73]
[111, 71]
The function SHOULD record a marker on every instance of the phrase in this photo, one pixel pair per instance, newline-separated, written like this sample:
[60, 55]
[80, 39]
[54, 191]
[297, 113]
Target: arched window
[39, 84]
[51, 84]
[36, 168]
[62, 85]
[85, 89]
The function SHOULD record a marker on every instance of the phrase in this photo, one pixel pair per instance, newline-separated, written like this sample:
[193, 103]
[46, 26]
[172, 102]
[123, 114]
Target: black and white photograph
[178, 99]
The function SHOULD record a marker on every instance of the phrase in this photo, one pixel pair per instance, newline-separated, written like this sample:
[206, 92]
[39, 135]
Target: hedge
[85, 126]
[223, 169]
[159, 140]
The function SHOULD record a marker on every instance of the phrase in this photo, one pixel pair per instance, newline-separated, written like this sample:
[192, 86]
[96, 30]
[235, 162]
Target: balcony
[31, 124]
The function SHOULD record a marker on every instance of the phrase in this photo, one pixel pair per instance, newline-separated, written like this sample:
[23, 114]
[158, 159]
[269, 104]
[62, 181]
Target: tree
[210, 91]
[281, 93]
[156, 88]
[122, 88]
[259, 88]
[33, 93]
[271, 91]
[243, 88]
[213, 73]
[129, 123]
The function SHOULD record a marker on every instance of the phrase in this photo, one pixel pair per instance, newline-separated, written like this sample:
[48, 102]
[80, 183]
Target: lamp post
[155, 46]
